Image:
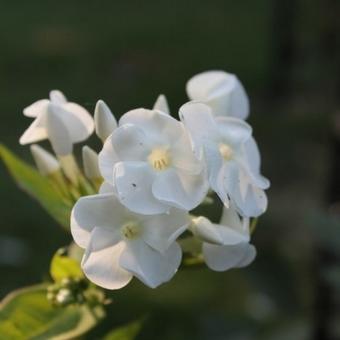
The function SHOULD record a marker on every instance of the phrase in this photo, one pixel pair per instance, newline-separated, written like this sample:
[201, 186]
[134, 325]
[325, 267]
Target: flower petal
[101, 261]
[210, 232]
[160, 231]
[221, 258]
[150, 266]
[105, 122]
[57, 97]
[159, 127]
[102, 210]
[233, 130]
[36, 131]
[133, 181]
[130, 143]
[37, 108]
[78, 121]
[107, 159]
[180, 189]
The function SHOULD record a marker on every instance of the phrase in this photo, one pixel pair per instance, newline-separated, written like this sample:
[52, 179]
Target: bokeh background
[287, 54]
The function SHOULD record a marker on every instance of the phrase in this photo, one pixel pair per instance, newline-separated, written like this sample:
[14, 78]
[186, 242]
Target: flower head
[150, 162]
[120, 244]
[231, 156]
[63, 122]
[221, 91]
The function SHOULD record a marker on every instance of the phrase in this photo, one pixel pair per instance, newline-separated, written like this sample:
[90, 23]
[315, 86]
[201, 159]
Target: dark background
[287, 54]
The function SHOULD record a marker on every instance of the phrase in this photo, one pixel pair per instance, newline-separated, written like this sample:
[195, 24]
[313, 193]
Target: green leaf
[63, 267]
[26, 314]
[126, 332]
[37, 186]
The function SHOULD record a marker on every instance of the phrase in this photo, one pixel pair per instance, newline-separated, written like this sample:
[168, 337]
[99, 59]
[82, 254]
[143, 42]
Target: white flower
[231, 156]
[45, 161]
[120, 244]
[220, 90]
[63, 122]
[150, 162]
[105, 122]
[161, 104]
[225, 245]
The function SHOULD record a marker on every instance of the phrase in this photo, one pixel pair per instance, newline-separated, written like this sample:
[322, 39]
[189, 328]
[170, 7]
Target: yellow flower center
[130, 230]
[226, 151]
[159, 159]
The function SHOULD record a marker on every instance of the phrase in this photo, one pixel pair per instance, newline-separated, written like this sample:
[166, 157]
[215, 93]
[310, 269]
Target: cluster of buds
[152, 172]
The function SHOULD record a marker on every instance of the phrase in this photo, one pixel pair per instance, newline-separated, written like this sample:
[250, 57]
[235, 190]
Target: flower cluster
[151, 173]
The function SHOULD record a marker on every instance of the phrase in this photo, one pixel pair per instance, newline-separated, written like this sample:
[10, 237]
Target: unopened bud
[161, 104]
[104, 120]
[45, 161]
[90, 163]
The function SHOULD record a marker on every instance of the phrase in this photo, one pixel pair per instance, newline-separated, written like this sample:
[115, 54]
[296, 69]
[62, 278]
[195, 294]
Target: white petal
[36, 131]
[249, 256]
[221, 258]
[58, 133]
[105, 121]
[130, 143]
[233, 130]
[45, 161]
[78, 121]
[150, 266]
[107, 159]
[199, 121]
[249, 200]
[161, 104]
[231, 219]
[215, 233]
[57, 97]
[158, 126]
[90, 163]
[160, 231]
[37, 108]
[95, 211]
[179, 189]
[133, 182]
[101, 261]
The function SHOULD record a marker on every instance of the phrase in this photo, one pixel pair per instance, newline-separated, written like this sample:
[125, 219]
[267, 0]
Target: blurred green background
[287, 54]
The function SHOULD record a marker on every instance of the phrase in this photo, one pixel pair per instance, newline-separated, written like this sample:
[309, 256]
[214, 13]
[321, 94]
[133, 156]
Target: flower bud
[90, 163]
[161, 104]
[45, 161]
[105, 122]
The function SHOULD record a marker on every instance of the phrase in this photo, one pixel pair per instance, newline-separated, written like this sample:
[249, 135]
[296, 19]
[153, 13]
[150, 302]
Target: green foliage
[63, 267]
[27, 314]
[37, 186]
[126, 332]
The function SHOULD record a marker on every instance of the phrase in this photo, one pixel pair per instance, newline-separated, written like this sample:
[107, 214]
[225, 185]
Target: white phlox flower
[120, 244]
[221, 91]
[150, 162]
[46, 163]
[231, 156]
[63, 123]
[225, 245]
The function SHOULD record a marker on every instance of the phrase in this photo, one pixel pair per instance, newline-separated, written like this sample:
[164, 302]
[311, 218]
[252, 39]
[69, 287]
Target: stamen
[159, 159]
[130, 231]
[226, 151]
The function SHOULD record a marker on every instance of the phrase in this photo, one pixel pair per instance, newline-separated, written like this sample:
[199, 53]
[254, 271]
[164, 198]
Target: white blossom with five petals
[231, 155]
[120, 244]
[150, 162]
